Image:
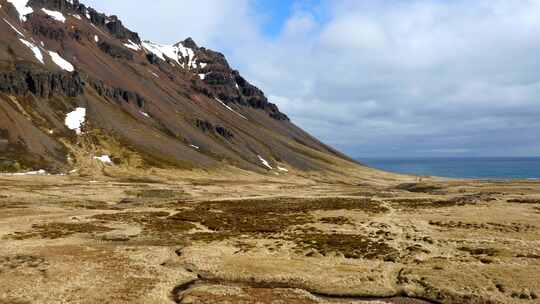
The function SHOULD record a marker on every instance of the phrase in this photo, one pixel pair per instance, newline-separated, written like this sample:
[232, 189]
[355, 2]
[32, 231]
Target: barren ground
[196, 238]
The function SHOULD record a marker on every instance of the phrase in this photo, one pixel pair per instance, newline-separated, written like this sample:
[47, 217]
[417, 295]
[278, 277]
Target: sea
[464, 167]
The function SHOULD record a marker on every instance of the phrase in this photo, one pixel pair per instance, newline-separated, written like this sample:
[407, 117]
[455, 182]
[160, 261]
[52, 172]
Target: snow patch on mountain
[183, 56]
[265, 162]
[14, 28]
[132, 45]
[189, 54]
[22, 8]
[61, 62]
[229, 108]
[58, 16]
[282, 169]
[160, 50]
[75, 119]
[34, 48]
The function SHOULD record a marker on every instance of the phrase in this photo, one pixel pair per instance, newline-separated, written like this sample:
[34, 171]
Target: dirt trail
[179, 293]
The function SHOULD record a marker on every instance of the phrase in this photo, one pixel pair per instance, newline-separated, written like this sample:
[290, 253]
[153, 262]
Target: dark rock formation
[112, 23]
[152, 58]
[117, 94]
[40, 83]
[204, 125]
[58, 5]
[45, 84]
[276, 114]
[189, 43]
[227, 84]
[24, 80]
[95, 17]
[115, 51]
[224, 132]
[76, 34]
[207, 127]
[50, 32]
[117, 29]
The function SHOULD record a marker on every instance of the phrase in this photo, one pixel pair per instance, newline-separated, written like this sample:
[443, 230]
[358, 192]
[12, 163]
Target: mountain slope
[76, 85]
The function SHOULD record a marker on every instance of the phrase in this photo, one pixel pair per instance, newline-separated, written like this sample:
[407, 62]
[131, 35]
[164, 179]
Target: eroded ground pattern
[71, 240]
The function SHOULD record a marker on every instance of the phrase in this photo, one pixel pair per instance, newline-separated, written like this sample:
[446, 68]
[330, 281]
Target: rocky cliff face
[223, 82]
[176, 105]
[27, 79]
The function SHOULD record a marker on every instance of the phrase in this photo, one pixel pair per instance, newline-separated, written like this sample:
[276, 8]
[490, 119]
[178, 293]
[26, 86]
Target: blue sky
[277, 13]
[376, 78]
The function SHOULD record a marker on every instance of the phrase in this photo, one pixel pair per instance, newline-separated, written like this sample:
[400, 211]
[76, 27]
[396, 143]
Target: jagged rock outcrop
[117, 94]
[115, 27]
[58, 5]
[27, 79]
[115, 51]
[220, 80]
[204, 125]
[227, 84]
[54, 33]
[111, 23]
[208, 127]
[152, 58]
[224, 132]
[45, 84]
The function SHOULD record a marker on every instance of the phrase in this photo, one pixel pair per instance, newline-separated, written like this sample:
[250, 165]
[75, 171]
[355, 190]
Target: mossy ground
[58, 230]
[136, 239]
[348, 245]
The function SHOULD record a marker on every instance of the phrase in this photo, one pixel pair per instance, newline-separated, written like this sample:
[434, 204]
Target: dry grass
[336, 220]
[436, 202]
[58, 230]
[157, 193]
[350, 246]
[273, 215]
[158, 226]
[461, 242]
[513, 227]
[421, 188]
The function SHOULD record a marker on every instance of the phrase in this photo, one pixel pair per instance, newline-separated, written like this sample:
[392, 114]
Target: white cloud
[299, 24]
[169, 21]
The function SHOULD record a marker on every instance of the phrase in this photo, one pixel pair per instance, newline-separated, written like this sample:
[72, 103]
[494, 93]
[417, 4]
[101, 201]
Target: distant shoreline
[486, 168]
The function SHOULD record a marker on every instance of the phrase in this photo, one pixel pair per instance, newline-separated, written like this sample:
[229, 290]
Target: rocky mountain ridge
[145, 104]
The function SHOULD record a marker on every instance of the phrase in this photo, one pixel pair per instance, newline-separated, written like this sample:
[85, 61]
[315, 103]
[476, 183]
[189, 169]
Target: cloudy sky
[385, 78]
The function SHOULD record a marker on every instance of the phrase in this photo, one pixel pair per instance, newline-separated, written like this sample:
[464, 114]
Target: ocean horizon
[460, 167]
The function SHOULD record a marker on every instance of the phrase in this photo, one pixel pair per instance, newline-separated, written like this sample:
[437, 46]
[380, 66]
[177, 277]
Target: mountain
[79, 89]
